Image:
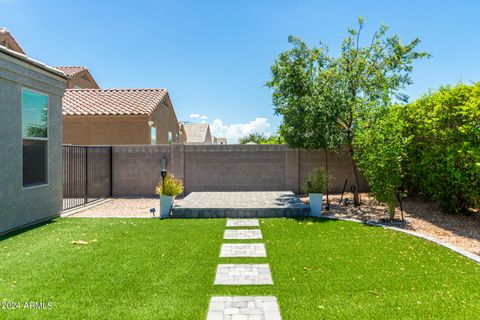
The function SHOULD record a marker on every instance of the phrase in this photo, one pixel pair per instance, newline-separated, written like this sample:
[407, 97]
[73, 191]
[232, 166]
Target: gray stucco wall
[18, 206]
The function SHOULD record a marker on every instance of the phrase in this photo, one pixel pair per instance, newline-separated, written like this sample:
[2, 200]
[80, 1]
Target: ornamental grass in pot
[316, 185]
[168, 189]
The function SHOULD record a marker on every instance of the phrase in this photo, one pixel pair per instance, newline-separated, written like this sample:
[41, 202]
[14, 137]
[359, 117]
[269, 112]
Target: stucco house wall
[165, 120]
[105, 130]
[86, 123]
[21, 206]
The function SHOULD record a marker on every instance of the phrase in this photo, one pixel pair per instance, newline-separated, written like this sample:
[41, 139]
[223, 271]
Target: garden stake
[400, 200]
[327, 207]
[343, 191]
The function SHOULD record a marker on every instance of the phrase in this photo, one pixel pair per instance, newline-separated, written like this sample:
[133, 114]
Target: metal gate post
[86, 175]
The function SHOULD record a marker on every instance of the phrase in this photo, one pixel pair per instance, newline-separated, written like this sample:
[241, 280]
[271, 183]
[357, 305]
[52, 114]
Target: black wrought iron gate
[87, 174]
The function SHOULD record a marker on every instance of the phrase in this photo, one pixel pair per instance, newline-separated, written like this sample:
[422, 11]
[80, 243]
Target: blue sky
[214, 56]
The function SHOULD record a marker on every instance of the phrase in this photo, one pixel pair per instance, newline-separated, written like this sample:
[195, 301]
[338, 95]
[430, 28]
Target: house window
[34, 138]
[153, 135]
[169, 137]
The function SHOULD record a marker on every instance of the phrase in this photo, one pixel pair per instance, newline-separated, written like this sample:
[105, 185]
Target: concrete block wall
[339, 168]
[234, 168]
[136, 169]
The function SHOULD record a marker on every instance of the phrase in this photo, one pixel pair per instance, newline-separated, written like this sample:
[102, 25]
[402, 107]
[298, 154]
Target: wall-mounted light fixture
[164, 170]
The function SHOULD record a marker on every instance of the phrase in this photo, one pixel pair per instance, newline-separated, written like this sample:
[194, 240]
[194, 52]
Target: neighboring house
[8, 41]
[118, 117]
[220, 140]
[94, 116]
[196, 133]
[79, 78]
[31, 138]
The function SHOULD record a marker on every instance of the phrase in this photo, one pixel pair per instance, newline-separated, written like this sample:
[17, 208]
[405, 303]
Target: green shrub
[316, 182]
[444, 154]
[169, 187]
[381, 149]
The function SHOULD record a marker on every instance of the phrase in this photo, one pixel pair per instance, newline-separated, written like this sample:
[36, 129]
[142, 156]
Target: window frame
[22, 138]
[151, 129]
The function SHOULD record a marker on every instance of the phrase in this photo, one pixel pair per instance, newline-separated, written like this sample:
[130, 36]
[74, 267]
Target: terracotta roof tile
[7, 40]
[71, 70]
[112, 101]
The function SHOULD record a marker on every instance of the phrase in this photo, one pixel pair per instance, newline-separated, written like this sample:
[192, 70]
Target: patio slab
[248, 204]
[234, 250]
[243, 307]
[242, 234]
[243, 223]
[243, 274]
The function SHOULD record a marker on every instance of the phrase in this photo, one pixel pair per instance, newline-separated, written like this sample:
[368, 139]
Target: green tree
[444, 156]
[322, 97]
[261, 138]
[381, 146]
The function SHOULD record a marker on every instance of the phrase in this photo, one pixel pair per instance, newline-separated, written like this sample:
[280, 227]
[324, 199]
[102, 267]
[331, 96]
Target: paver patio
[242, 250]
[242, 234]
[243, 223]
[243, 274]
[248, 204]
[246, 308]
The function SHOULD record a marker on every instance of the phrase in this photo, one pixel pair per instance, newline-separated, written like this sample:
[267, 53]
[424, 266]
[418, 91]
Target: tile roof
[112, 101]
[196, 132]
[7, 40]
[71, 70]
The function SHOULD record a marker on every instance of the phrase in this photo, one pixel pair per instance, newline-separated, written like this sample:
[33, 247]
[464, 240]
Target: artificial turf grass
[136, 268]
[345, 270]
[147, 268]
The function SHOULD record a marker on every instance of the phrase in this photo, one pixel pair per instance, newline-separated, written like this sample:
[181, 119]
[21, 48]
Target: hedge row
[430, 147]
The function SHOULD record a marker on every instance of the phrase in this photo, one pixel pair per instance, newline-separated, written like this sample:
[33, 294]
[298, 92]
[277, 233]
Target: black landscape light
[163, 173]
[152, 211]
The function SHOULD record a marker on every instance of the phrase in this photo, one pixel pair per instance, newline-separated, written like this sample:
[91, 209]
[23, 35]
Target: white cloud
[235, 131]
[198, 116]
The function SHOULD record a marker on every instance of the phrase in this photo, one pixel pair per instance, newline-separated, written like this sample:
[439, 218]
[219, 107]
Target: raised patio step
[255, 204]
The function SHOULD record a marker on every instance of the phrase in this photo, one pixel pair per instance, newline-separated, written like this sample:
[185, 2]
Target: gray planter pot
[316, 200]
[166, 204]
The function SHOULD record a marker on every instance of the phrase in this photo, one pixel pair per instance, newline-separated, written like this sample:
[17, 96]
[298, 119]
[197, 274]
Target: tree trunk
[328, 177]
[356, 197]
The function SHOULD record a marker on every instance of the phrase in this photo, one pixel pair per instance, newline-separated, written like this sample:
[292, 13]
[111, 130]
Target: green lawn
[164, 269]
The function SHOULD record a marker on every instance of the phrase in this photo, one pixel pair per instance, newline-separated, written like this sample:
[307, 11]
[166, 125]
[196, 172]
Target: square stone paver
[243, 308]
[243, 223]
[243, 250]
[243, 274]
[242, 234]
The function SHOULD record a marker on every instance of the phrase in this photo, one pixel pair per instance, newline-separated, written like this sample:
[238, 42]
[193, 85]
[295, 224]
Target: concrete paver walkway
[243, 308]
[243, 223]
[234, 250]
[242, 234]
[243, 274]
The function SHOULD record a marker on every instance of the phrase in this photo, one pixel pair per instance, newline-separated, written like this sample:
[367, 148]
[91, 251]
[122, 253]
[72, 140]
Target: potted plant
[168, 189]
[315, 185]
